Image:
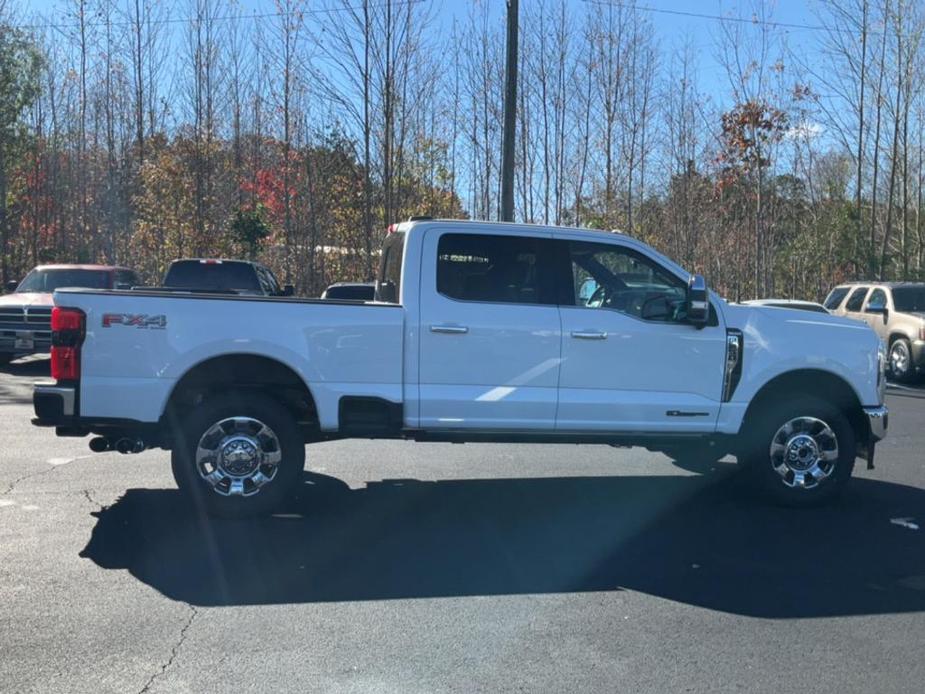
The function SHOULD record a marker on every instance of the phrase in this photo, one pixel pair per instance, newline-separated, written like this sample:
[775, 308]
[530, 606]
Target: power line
[230, 17]
[714, 17]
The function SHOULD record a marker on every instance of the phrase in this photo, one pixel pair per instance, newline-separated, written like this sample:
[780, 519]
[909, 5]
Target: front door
[490, 333]
[629, 362]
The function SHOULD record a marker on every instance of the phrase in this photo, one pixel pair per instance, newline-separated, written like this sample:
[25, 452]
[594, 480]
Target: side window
[125, 277]
[483, 267]
[612, 277]
[835, 297]
[877, 300]
[856, 299]
[388, 286]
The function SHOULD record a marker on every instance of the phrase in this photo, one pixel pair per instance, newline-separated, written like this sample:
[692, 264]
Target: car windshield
[909, 299]
[194, 274]
[48, 281]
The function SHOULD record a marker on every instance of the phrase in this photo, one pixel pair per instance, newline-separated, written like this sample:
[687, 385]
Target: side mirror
[288, 290]
[698, 303]
[12, 285]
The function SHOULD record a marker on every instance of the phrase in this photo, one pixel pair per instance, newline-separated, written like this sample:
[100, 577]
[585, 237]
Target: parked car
[788, 303]
[221, 275]
[896, 312]
[480, 334]
[351, 291]
[25, 313]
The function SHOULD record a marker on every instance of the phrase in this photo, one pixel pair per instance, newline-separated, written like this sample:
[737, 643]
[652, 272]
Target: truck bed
[140, 342]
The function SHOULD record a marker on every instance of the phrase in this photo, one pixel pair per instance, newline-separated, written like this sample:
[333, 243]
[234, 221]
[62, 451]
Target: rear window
[194, 274]
[909, 299]
[505, 269]
[856, 299]
[353, 292]
[835, 297]
[50, 280]
[388, 287]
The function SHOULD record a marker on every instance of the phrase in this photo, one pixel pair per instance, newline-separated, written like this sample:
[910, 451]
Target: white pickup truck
[479, 332]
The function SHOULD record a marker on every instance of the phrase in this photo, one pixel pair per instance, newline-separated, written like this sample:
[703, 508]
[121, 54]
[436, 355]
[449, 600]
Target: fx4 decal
[137, 320]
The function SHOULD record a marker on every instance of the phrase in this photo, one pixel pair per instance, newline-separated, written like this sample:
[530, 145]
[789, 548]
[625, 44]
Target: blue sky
[674, 21]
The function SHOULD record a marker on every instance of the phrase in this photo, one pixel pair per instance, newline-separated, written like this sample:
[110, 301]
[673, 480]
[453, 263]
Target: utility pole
[510, 116]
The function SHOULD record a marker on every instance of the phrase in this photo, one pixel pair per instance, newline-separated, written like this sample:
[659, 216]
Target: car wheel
[238, 455]
[801, 453]
[901, 368]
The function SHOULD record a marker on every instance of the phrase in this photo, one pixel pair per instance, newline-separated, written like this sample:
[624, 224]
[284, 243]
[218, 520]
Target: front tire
[802, 452]
[901, 367]
[238, 455]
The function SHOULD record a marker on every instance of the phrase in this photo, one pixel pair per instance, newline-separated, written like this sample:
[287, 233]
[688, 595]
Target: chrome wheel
[237, 456]
[900, 359]
[804, 452]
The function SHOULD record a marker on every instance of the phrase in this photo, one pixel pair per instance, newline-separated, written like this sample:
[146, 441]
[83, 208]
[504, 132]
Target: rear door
[490, 332]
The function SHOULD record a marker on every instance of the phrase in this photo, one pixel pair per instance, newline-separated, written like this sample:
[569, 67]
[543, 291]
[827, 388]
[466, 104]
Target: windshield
[47, 281]
[909, 299]
[194, 274]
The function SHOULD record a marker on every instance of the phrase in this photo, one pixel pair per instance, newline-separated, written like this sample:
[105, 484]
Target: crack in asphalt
[93, 502]
[174, 651]
[12, 485]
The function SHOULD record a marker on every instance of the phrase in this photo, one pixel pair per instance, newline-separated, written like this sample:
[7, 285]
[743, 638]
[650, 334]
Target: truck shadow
[702, 541]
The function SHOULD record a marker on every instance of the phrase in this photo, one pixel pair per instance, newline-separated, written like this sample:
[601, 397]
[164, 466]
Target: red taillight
[66, 319]
[65, 363]
[67, 334]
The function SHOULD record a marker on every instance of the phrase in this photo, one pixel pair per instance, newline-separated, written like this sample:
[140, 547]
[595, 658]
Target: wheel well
[896, 336]
[242, 371]
[818, 384]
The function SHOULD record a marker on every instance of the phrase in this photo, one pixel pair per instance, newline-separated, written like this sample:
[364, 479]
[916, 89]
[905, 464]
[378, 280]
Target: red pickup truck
[25, 313]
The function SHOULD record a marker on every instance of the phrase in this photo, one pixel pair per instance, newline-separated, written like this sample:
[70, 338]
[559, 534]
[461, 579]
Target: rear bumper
[10, 345]
[878, 419]
[57, 406]
[54, 405]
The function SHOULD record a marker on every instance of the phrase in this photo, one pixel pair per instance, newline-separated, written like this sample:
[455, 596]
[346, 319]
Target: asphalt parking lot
[437, 567]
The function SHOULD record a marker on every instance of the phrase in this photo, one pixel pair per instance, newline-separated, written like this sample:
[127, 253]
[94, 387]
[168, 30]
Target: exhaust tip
[99, 444]
[126, 446]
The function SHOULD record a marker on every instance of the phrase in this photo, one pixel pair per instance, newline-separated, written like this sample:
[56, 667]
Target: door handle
[589, 335]
[449, 329]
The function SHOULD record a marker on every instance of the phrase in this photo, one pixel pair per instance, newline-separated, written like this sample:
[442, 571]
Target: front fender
[778, 341]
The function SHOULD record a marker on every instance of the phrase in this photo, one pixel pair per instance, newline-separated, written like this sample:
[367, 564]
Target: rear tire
[801, 452]
[238, 454]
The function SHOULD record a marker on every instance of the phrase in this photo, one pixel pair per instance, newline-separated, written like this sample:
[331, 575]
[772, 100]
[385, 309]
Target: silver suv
[896, 312]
